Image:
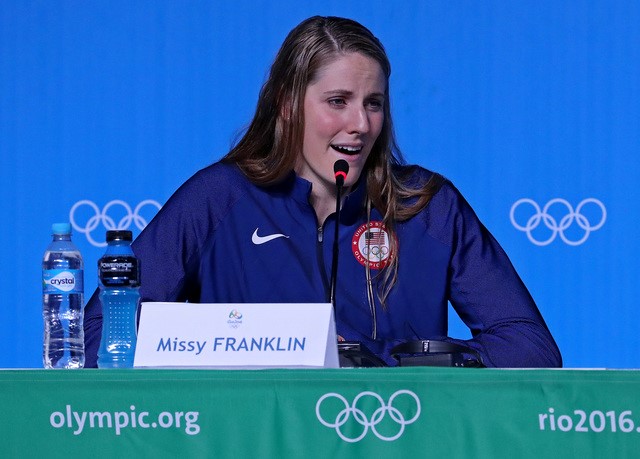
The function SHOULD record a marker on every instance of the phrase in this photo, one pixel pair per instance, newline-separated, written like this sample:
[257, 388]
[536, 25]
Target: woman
[253, 227]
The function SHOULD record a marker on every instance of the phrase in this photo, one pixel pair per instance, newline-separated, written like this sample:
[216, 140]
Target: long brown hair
[269, 149]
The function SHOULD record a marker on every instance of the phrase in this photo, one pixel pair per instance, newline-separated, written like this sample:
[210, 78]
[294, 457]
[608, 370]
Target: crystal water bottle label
[62, 281]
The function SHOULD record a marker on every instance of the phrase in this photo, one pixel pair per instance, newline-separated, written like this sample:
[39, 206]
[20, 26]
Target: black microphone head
[340, 170]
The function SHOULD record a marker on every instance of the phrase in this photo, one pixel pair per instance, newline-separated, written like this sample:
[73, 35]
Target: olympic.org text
[588, 421]
[119, 420]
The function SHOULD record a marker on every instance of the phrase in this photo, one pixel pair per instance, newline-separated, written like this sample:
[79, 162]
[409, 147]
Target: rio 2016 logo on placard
[108, 215]
[352, 423]
[235, 318]
[559, 222]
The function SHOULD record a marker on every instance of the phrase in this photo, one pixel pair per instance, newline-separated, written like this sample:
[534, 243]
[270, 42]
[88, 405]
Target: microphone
[340, 170]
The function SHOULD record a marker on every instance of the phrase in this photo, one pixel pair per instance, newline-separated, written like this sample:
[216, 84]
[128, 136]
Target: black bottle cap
[119, 235]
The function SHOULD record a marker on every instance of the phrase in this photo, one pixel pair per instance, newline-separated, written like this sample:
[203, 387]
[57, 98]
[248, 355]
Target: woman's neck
[323, 201]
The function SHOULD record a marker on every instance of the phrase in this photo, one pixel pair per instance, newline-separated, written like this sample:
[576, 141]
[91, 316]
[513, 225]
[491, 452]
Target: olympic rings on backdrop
[102, 216]
[360, 417]
[558, 228]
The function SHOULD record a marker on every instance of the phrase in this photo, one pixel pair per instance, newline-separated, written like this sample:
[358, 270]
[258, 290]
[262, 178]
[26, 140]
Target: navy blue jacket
[207, 244]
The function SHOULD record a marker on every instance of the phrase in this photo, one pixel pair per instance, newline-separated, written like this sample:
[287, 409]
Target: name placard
[236, 335]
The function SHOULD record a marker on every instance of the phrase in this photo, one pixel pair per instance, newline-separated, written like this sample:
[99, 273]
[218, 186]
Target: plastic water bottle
[62, 301]
[119, 276]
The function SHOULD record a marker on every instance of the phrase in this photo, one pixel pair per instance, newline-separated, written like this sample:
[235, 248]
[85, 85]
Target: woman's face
[343, 116]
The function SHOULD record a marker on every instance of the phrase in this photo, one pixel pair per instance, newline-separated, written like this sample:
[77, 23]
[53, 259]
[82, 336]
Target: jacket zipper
[320, 255]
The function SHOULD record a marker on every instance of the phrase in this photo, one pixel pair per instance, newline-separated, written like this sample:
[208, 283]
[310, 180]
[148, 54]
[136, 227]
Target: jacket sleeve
[489, 296]
[169, 247]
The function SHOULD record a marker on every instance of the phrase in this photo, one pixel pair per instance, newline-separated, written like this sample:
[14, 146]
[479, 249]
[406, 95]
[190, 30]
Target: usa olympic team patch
[372, 245]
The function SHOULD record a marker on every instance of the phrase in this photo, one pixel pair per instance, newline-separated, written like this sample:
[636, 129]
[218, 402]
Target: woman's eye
[337, 102]
[375, 104]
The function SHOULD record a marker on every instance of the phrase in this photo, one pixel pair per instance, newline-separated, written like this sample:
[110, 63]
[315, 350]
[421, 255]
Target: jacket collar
[299, 189]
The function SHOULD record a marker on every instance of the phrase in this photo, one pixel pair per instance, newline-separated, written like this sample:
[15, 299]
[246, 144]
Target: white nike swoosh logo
[257, 240]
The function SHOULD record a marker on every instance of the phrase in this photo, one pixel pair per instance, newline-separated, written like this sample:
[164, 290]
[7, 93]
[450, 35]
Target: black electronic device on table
[430, 353]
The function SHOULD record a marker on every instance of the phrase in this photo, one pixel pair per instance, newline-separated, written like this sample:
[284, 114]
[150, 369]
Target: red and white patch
[371, 245]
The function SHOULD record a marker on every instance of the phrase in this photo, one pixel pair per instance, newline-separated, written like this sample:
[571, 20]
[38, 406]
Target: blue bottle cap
[61, 228]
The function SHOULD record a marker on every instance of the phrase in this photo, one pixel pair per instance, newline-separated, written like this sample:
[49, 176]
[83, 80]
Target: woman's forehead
[350, 58]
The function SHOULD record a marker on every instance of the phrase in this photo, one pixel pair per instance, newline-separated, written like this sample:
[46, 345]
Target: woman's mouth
[347, 149]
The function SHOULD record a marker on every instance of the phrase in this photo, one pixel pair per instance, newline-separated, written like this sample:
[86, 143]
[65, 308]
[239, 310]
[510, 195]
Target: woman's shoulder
[416, 176]
[447, 209]
[217, 179]
[220, 174]
[215, 186]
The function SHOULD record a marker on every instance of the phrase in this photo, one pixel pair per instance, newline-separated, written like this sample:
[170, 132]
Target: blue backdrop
[532, 108]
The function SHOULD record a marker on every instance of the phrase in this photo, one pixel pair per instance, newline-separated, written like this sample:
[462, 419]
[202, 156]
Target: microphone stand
[340, 170]
[334, 262]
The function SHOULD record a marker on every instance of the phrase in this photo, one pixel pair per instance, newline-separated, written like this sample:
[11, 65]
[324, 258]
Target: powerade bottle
[119, 277]
[62, 301]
